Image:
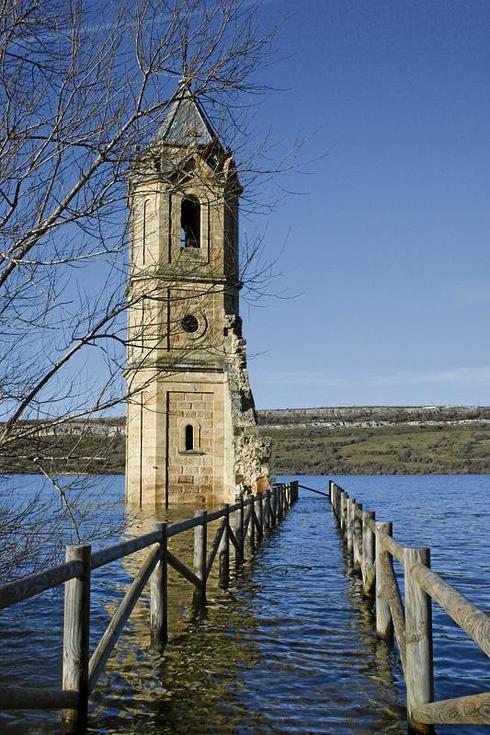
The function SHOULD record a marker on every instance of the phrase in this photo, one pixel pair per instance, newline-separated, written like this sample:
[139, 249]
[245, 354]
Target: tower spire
[186, 122]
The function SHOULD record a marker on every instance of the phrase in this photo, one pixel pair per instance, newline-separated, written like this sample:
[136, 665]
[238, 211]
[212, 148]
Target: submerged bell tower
[190, 403]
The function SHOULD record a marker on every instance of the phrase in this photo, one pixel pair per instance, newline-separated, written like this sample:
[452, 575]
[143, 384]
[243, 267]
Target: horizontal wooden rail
[175, 528]
[388, 543]
[125, 548]
[80, 673]
[313, 490]
[12, 698]
[27, 587]
[466, 614]
[473, 710]
[412, 623]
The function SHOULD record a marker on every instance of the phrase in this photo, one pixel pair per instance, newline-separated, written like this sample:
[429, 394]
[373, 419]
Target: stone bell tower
[189, 398]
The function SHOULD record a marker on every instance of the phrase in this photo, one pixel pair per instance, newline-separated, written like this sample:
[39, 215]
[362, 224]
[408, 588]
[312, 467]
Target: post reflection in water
[289, 648]
[380, 662]
[191, 686]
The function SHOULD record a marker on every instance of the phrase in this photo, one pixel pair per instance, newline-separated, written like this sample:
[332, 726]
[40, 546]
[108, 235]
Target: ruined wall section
[252, 451]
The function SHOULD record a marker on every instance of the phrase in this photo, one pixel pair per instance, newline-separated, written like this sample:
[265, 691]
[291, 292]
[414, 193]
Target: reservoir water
[290, 647]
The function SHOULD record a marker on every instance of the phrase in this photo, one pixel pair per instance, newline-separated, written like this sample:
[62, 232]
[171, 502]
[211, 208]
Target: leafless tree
[84, 86]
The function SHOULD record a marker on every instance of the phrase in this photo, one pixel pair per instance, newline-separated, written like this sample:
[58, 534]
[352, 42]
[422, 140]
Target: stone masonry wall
[190, 473]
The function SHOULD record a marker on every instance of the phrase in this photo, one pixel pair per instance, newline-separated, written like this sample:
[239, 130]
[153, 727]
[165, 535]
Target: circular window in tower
[189, 324]
[194, 325]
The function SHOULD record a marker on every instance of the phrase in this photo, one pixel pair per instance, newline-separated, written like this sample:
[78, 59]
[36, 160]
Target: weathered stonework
[252, 451]
[191, 424]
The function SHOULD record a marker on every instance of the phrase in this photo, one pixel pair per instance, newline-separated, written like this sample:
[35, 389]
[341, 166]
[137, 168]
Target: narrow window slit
[189, 438]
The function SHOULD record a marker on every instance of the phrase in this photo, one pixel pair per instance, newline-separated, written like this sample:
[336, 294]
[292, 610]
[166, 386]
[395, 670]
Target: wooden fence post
[273, 509]
[279, 508]
[76, 635]
[241, 528]
[295, 491]
[419, 676]
[346, 518]
[343, 514]
[384, 623]
[158, 592]
[200, 555]
[224, 551]
[350, 524]
[261, 516]
[266, 511]
[357, 536]
[251, 524]
[368, 549]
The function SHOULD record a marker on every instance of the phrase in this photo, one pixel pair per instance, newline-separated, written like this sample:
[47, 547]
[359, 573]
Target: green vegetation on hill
[88, 452]
[393, 449]
[335, 440]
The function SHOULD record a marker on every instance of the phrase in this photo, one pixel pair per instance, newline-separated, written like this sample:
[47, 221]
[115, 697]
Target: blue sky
[387, 243]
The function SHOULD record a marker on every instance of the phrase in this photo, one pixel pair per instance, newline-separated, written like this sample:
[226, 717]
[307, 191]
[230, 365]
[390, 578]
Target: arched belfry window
[189, 438]
[190, 222]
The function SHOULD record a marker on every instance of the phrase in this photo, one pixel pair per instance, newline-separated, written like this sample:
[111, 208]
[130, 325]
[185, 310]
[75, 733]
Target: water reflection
[289, 648]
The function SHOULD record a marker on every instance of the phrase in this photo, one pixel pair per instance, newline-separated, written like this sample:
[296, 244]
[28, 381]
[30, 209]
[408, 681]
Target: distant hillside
[94, 446]
[372, 415]
[379, 439]
[337, 440]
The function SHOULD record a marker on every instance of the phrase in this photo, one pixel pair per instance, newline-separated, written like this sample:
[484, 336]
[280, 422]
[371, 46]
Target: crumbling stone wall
[252, 451]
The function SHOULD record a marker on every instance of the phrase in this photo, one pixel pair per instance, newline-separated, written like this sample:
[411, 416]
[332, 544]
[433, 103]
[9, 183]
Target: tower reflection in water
[289, 648]
[197, 671]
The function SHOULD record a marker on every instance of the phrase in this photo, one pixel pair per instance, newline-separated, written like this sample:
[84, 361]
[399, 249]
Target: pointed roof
[186, 123]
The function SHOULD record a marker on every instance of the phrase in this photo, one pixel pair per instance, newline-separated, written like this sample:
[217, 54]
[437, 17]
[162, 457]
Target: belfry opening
[190, 223]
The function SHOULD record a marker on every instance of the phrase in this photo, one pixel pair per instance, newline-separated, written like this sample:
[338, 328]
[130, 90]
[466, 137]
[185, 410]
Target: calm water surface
[290, 647]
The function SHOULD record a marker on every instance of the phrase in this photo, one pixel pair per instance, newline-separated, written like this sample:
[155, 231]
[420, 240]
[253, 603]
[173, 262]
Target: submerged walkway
[290, 648]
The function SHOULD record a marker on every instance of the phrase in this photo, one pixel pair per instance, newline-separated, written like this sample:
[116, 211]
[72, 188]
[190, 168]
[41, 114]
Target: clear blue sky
[388, 245]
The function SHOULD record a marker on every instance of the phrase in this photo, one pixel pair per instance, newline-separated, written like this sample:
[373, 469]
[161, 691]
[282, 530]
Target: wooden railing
[247, 520]
[373, 550]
